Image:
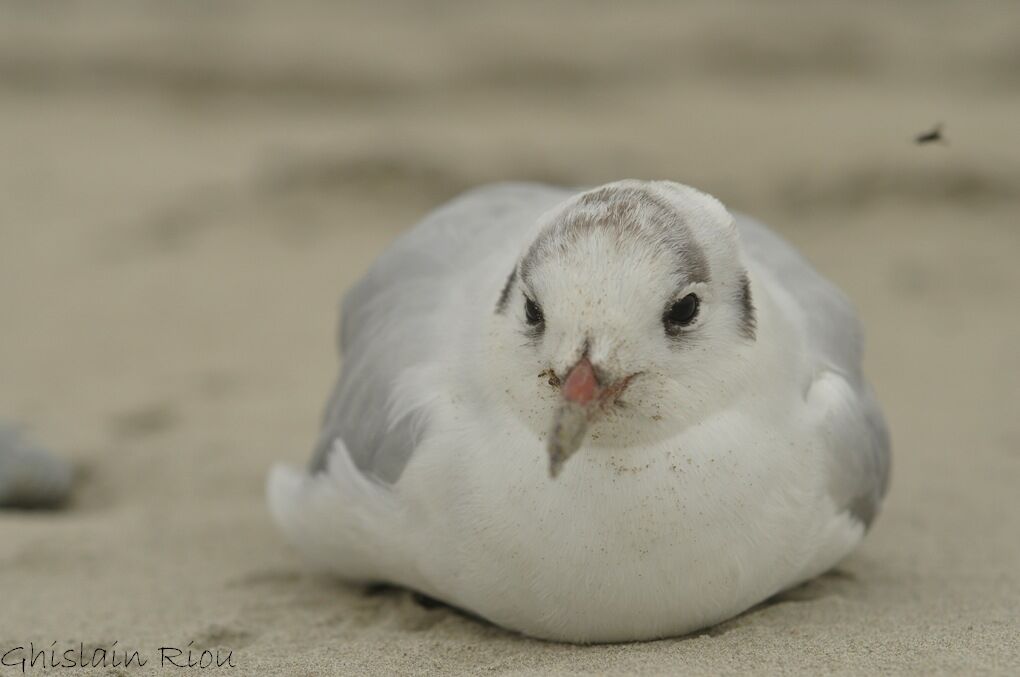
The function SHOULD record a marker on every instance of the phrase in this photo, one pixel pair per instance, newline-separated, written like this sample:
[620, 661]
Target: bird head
[625, 318]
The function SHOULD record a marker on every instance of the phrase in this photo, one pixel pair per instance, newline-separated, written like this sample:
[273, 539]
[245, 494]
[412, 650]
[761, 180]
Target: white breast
[652, 542]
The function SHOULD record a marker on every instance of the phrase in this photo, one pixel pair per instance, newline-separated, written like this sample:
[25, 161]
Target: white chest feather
[653, 541]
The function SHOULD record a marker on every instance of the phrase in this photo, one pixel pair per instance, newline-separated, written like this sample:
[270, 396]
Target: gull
[591, 416]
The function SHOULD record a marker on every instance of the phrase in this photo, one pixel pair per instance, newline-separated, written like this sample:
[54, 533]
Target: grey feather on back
[834, 332]
[835, 341]
[387, 325]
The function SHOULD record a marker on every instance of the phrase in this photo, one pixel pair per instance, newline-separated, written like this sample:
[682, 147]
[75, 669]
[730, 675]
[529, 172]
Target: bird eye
[532, 312]
[682, 312]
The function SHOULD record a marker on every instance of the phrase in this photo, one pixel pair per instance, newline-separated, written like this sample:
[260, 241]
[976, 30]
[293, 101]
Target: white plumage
[726, 457]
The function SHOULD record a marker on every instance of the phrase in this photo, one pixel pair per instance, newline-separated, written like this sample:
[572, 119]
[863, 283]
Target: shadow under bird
[603, 415]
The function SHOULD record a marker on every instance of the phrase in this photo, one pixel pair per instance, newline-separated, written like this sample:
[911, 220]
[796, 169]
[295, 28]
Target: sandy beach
[186, 190]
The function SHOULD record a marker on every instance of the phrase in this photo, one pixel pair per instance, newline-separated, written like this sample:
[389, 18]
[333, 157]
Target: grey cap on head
[626, 209]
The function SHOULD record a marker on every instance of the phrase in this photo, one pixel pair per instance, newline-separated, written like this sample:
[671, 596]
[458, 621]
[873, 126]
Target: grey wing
[835, 340]
[387, 325]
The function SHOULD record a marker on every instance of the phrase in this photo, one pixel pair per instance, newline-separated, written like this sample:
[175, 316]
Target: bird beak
[581, 396]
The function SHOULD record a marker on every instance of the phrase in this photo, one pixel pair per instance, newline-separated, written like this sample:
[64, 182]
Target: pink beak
[581, 386]
[581, 396]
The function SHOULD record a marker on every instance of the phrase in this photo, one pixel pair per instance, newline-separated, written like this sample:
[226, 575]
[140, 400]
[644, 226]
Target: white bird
[709, 378]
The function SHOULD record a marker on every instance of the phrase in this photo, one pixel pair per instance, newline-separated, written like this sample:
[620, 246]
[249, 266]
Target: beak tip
[555, 466]
[566, 436]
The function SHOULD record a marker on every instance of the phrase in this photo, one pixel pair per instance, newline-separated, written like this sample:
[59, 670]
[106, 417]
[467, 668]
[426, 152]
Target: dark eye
[532, 312]
[682, 312]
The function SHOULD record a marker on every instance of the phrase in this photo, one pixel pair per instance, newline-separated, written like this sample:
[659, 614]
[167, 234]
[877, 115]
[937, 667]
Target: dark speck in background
[933, 135]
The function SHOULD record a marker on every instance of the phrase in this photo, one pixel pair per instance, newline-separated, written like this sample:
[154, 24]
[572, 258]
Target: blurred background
[187, 188]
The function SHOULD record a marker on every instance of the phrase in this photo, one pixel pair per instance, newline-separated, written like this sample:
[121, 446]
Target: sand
[185, 192]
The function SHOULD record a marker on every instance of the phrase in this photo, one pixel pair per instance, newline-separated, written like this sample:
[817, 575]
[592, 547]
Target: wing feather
[388, 327]
[858, 436]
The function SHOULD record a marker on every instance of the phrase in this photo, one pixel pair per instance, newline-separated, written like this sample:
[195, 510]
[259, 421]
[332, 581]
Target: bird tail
[30, 477]
[339, 519]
